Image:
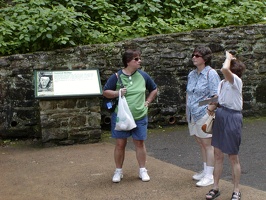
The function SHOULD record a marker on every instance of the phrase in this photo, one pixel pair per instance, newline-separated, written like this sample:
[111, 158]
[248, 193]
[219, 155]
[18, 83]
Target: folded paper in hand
[208, 101]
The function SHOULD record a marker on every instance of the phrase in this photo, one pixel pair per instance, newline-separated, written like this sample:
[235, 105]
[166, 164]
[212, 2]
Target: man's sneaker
[143, 175]
[118, 175]
[205, 181]
[198, 176]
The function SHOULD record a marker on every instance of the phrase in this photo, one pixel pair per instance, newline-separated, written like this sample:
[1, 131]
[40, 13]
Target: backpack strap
[119, 79]
[208, 77]
[208, 74]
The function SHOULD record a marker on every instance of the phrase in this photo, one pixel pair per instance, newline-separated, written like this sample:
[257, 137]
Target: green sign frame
[67, 83]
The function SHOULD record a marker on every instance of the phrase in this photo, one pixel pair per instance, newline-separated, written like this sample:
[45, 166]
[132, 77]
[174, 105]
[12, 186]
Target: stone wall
[167, 58]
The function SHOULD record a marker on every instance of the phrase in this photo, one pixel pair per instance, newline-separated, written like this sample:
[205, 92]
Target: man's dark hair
[205, 52]
[237, 67]
[129, 55]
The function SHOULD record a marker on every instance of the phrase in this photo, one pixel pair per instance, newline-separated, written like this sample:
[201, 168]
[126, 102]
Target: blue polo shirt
[200, 87]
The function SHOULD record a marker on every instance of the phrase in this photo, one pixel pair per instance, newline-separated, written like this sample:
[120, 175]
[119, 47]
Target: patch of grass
[253, 119]
[21, 143]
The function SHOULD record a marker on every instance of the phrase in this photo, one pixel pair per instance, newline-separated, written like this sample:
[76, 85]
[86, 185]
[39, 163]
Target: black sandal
[213, 194]
[236, 196]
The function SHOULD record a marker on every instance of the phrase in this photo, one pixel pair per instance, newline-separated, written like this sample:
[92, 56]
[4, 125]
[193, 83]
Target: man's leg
[141, 157]
[119, 152]
[236, 171]
[208, 153]
[140, 152]
[218, 167]
[202, 149]
[119, 156]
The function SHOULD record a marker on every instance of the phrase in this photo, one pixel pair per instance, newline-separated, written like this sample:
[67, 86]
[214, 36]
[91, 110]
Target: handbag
[124, 119]
[207, 126]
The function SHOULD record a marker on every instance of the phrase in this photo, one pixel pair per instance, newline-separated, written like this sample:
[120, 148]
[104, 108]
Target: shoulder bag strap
[119, 79]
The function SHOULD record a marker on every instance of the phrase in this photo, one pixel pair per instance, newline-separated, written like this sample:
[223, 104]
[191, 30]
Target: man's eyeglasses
[137, 59]
[196, 55]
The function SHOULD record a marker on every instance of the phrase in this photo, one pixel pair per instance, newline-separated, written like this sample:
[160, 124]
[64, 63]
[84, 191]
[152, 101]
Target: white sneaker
[118, 175]
[198, 176]
[143, 175]
[205, 181]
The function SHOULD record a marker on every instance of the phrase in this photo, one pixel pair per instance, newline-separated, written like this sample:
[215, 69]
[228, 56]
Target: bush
[28, 26]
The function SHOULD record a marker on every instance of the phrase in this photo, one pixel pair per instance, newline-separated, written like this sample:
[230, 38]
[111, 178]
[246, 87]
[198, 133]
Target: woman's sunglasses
[137, 59]
[196, 55]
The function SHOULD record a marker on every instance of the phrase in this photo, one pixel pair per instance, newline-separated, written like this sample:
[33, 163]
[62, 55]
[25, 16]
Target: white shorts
[195, 128]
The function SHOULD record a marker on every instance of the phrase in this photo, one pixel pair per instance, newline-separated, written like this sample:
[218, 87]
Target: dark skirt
[227, 130]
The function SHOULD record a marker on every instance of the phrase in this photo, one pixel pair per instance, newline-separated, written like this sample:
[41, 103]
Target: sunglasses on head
[196, 55]
[136, 59]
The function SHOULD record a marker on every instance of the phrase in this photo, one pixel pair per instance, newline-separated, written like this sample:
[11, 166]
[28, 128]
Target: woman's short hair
[128, 55]
[237, 67]
[205, 52]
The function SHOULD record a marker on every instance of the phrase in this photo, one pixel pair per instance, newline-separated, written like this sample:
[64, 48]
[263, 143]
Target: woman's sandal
[212, 194]
[236, 196]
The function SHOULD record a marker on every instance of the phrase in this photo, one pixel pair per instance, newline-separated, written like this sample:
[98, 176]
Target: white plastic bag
[124, 119]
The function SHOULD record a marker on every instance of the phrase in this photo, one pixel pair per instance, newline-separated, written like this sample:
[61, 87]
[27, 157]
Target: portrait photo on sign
[45, 80]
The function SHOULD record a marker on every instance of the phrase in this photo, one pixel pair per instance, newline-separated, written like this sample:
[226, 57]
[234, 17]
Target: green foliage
[37, 25]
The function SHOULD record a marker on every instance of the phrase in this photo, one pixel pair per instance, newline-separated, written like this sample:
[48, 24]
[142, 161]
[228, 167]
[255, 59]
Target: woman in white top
[227, 127]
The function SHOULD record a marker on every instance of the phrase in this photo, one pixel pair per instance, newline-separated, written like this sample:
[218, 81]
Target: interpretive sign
[70, 83]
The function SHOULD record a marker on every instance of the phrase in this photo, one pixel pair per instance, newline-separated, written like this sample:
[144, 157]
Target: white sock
[141, 169]
[205, 167]
[209, 171]
[118, 169]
